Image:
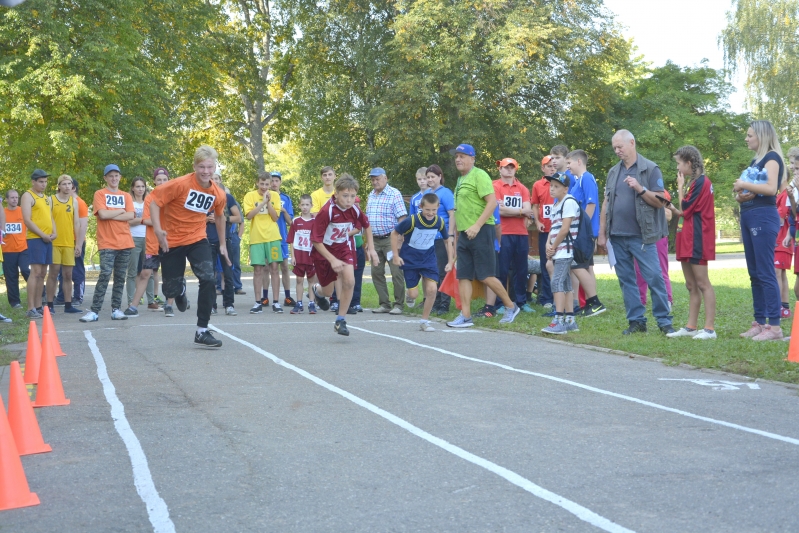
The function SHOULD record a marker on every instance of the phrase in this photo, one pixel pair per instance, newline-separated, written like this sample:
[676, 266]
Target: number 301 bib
[199, 202]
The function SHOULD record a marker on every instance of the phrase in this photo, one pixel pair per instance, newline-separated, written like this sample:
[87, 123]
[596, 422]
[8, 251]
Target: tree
[668, 107]
[399, 84]
[247, 48]
[79, 90]
[763, 38]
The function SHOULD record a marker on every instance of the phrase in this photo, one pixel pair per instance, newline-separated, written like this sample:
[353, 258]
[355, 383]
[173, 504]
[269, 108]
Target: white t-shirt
[141, 229]
[571, 209]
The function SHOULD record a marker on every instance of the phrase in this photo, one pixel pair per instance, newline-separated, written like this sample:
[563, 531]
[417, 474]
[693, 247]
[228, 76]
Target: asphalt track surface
[290, 427]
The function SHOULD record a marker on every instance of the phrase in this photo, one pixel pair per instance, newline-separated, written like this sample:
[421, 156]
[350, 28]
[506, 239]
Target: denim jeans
[359, 268]
[513, 259]
[544, 290]
[234, 251]
[759, 228]
[626, 249]
[14, 264]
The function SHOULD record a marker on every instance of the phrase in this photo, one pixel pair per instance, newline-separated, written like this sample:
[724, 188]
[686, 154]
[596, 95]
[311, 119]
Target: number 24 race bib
[302, 240]
[199, 202]
[337, 232]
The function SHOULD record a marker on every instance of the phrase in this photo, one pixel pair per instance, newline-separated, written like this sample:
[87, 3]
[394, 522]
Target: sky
[683, 31]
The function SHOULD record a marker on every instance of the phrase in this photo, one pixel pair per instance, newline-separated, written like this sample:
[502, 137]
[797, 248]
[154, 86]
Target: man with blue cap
[385, 208]
[475, 202]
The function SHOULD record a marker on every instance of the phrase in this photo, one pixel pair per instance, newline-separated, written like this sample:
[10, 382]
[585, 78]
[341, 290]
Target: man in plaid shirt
[385, 209]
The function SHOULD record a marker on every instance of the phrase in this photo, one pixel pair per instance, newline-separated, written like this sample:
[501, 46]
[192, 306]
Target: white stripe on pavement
[574, 508]
[789, 440]
[157, 510]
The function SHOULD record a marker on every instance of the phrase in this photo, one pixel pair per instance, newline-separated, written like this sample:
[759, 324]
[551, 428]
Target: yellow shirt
[41, 215]
[262, 227]
[319, 198]
[64, 217]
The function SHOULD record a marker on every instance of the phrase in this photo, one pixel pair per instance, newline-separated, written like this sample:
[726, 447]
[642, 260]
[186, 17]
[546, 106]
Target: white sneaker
[91, 316]
[230, 311]
[682, 332]
[116, 314]
[705, 334]
[425, 325]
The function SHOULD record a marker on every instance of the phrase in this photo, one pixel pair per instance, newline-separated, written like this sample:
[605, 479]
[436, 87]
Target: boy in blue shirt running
[417, 257]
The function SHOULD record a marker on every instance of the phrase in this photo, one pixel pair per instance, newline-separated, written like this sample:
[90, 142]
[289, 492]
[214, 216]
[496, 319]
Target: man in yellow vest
[38, 217]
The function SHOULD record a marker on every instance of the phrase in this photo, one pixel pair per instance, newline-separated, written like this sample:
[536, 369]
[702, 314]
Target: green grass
[13, 333]
[729, 352]
[729, 248]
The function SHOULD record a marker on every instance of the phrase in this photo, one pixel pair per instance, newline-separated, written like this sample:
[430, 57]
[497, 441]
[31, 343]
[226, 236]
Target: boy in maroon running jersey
[300, 239]
[334, 252]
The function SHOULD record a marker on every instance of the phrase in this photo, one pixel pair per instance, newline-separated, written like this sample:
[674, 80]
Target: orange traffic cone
[33, 355]
[49, 391]
[793, 346]
[47, 326]
[14, 490]
[24, 425]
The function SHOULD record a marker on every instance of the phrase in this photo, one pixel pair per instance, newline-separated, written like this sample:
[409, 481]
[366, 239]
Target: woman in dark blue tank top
[756, 191]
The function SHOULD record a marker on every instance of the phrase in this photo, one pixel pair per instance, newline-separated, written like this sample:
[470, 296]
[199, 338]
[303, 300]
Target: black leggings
[173, 268]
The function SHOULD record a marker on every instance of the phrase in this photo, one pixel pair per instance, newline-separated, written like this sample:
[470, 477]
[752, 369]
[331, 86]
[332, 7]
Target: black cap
[39, 173]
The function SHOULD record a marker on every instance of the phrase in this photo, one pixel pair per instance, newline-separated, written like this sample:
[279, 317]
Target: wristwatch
[643, 191]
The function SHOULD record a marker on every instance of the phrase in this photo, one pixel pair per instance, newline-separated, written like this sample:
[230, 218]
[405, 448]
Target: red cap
[508, 161]
[546, 160]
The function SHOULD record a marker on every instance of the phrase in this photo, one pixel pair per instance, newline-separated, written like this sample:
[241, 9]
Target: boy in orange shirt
[178, 214]
[113, 208]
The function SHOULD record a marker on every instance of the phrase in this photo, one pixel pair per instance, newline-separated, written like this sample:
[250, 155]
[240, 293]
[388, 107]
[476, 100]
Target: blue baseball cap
[377, 171]
[467, 149]
[109, 168]
[276, 174]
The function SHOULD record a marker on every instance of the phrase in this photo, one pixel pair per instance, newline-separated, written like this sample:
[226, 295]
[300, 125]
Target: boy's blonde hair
[205, 152]
[793, 153]
[421, 173]
[346, 182]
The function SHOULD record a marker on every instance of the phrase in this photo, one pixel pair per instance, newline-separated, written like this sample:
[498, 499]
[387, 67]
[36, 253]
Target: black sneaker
[341, 328]
[667, 329]
[257, 309]
[485, 312]
[181, 302]
[594, 310]
[321, 301]
[352, 310]
[206, 339]
[288, 301]
[276, 308]
[635, 327]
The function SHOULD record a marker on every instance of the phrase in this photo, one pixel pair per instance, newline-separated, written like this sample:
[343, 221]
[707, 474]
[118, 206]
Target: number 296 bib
[199, 202]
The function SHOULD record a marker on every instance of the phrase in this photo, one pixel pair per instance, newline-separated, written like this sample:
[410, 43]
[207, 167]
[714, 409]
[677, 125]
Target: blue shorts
[286, 249]
[413, 274]
[40, 252]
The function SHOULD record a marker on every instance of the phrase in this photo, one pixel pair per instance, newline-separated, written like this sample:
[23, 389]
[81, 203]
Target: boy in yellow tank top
[65, 218]
[38, 217]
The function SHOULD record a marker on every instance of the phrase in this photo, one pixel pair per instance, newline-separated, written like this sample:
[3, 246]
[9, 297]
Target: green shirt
[469, 193]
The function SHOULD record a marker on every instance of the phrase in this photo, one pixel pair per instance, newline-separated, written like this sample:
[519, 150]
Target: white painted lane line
[157, 510]
[574, 508]
[789, 440]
